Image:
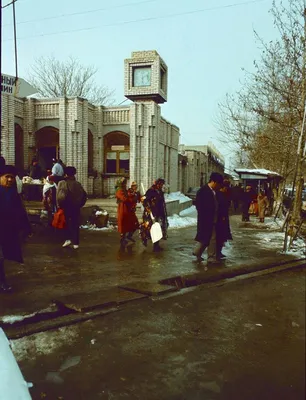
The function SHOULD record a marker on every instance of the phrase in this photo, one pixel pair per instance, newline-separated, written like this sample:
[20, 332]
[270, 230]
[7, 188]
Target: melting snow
[177, 196]
[48, 342]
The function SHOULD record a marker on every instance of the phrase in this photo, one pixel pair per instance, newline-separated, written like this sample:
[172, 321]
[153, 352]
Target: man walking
[207, 207]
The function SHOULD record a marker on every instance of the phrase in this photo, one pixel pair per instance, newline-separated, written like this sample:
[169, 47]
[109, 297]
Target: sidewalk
[90, 277]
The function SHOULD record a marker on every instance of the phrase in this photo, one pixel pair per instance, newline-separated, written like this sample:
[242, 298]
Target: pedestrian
[236, 192]
[49, 197]
[135, 196]
[207, 207]
[57, 170]
[71, 197]
[263, 204]
[154, 205]
[13, 221]
[35, 171]
[126, 215]
[246, 200]
[223, 230]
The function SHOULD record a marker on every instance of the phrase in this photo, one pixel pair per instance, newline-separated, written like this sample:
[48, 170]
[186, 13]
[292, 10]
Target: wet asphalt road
[244, 340]
[51, 271]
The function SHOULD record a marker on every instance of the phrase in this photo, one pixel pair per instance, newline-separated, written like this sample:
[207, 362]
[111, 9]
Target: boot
[122, 240]
[4, 287]
[157, 248]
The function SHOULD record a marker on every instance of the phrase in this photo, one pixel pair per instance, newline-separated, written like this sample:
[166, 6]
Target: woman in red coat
[126, 217]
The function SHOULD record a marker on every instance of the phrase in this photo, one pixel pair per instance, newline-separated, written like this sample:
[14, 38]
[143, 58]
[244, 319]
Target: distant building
[202, 160]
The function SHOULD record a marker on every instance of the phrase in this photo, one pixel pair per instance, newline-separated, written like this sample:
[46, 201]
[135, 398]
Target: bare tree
[54, 78]
[265, 118]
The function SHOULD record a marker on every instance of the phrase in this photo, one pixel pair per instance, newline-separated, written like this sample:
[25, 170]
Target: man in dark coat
[13, 219]
[207, 207]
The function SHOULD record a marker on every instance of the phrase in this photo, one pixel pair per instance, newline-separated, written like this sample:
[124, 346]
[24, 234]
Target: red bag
[59, 220]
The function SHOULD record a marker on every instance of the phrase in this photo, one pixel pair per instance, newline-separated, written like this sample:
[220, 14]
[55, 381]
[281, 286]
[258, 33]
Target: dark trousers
[2, 273]
[73, 225]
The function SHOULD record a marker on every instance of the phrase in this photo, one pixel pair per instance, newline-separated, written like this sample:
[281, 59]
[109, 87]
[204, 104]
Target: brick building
[103, 143]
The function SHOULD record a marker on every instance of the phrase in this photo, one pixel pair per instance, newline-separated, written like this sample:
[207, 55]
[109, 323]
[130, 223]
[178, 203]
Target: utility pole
[0, 74]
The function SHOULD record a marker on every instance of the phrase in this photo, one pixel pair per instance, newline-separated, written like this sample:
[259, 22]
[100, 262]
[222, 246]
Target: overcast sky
[205, 43]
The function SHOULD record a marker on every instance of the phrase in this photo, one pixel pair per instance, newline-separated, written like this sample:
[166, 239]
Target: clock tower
[146, 77]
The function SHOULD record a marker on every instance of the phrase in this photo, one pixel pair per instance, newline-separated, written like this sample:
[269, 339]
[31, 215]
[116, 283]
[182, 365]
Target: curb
[180, 285]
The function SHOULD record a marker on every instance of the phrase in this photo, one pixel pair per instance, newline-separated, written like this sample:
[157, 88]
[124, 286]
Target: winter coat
[13, 221]
[207, 206]
[223, 230]
[263, 203]
[70, 195]
[126, 217]
[36, 172]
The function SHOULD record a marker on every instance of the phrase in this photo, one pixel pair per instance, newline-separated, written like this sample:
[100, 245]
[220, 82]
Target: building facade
[103, 143]
[201, 161]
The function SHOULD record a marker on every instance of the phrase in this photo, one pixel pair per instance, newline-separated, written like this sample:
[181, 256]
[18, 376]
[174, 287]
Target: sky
[205, 44]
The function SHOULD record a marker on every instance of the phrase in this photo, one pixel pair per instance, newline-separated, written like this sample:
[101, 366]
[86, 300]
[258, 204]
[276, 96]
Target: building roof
[262, 171]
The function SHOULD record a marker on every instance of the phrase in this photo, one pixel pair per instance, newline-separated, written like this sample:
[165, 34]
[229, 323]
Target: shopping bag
[59, 220]
[155, 231]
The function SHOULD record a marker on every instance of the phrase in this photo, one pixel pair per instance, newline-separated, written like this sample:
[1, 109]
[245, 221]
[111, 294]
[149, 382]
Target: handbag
[59, 219]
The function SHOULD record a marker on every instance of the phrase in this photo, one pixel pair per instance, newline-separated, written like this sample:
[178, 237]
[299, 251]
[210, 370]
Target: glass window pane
[124, 155]
[111, 155]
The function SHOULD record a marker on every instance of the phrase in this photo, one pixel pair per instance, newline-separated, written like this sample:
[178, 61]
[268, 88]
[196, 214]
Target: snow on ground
[29, 347]
[92, 227]
[276, 240]
[177, 196]
[186, 218]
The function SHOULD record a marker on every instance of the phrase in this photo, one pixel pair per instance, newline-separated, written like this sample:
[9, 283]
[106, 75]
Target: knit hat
[134, 184]
[8, 169]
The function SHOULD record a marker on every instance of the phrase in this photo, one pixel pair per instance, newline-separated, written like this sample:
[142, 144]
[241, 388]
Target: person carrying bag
[71, 197]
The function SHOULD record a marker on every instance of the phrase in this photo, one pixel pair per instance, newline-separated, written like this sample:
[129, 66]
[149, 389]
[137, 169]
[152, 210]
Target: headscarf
[8, 169]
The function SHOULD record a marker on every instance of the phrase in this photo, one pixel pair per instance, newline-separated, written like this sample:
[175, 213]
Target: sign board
[116, 148]
[253, 176]
[18, 88]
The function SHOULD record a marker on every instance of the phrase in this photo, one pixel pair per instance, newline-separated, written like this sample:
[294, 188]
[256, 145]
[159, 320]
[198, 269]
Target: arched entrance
[117, 153]
[19, 148]
[47, 146]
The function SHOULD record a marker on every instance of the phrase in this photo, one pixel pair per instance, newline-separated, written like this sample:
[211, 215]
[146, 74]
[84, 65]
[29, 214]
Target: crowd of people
[61, 192]
[63, 197]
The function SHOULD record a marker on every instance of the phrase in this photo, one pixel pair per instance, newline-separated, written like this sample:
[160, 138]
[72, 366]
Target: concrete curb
[181, 283]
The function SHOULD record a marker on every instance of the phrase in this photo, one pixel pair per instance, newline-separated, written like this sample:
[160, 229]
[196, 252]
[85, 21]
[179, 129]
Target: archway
[117, 153]
[47, 146]
[19, 148]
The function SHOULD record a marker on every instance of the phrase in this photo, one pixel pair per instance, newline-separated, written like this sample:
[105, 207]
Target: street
[244, 340]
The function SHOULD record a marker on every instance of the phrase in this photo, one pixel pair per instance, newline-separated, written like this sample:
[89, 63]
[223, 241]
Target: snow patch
[29, 347]
[175, 221]
[177, 196]
[93, 227]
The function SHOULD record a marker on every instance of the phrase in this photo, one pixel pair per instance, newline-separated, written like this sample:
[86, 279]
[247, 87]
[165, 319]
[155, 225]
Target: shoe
[67, 243]
[75, 246]
[157, 249]
[5, 288]
[199, 258]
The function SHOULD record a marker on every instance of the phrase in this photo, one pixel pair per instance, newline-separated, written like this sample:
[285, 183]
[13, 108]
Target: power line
[83, 12]
[141, 20]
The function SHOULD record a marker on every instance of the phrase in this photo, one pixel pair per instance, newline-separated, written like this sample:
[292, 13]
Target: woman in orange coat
[126, 217]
